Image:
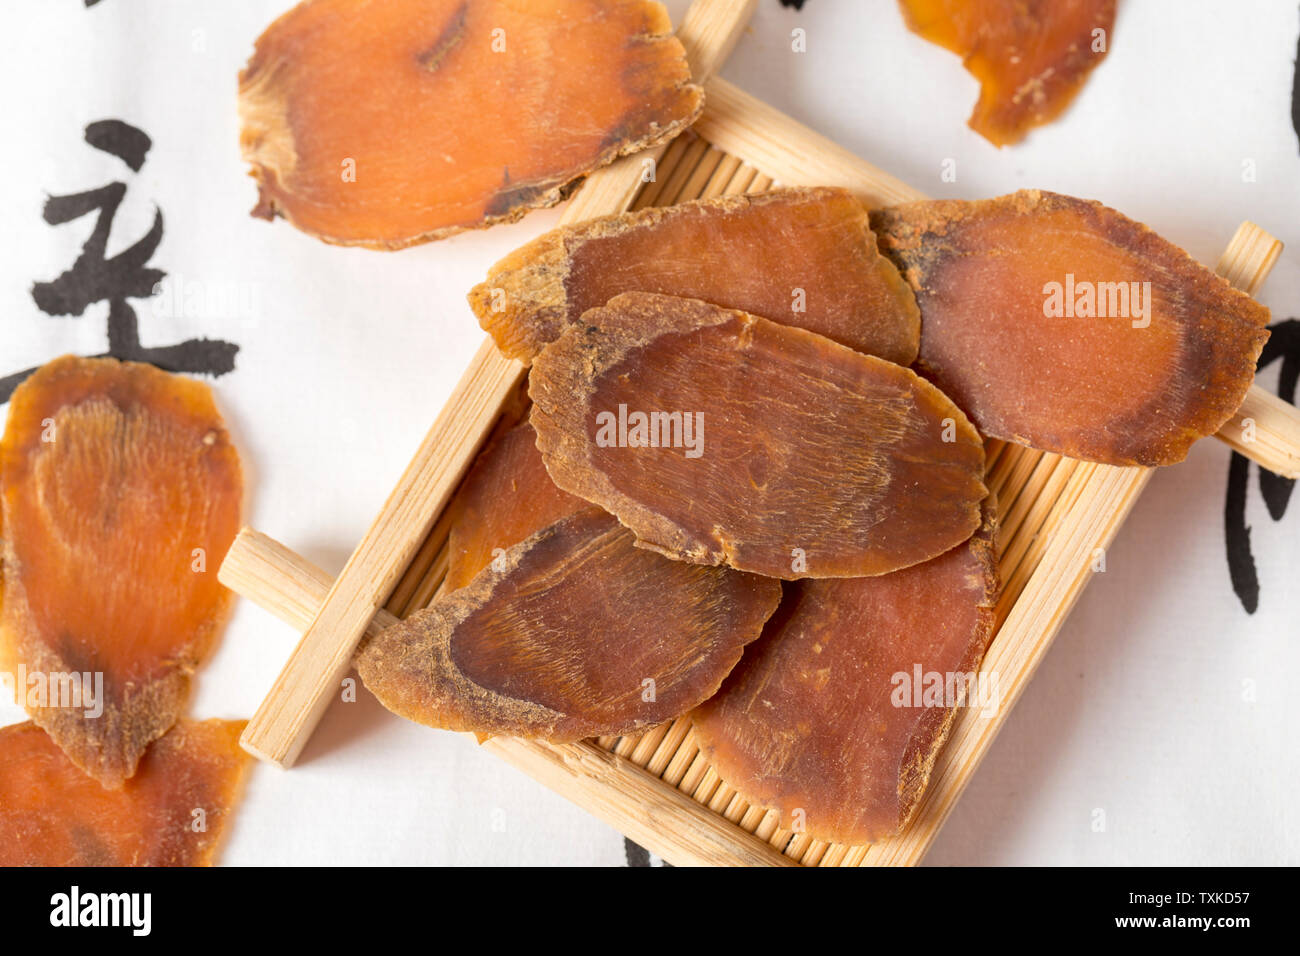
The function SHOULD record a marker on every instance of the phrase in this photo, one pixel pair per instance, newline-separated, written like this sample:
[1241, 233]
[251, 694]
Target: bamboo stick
[696, 774]
[745, 126]
[298, 698]
[406, 596]
[1012, 513]
[736, 808]
[1266, 430]
[676, 180]
[682, 761]
[768, 826]
[431, 559]
[993, 449]
[640, 748]
[665, 161]
[657, 762]
[751, 818]
[720, 184]
[1017, 533]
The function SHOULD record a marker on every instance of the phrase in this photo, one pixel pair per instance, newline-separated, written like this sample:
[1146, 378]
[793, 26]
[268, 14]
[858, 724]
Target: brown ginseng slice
[390, 123]
[121, 493]
[1031, 56]
[506, 496]
[52, 814]
[720, 437]
[802, 257]
[579, 634]
[1061, 324]
[835, 716]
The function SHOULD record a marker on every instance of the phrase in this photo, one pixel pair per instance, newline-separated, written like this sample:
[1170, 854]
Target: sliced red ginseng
[720, 437]
[1061, 324]
[579, 634]
[1031, 56]
[121, 495]
[835, 715]
[173, 812]
[506, 496]
[390, 123]
[802, 257]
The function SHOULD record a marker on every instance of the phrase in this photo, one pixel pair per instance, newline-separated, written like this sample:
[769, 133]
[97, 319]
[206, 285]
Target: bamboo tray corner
[1055, 513]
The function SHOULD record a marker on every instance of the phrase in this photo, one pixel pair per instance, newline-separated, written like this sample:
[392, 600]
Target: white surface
[348, 355]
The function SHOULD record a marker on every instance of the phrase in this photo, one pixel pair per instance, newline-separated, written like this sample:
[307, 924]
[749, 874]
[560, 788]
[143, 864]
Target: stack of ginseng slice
[733, 497]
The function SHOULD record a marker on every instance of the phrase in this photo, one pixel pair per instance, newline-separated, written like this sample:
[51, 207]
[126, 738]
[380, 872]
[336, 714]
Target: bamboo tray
[1057, 515]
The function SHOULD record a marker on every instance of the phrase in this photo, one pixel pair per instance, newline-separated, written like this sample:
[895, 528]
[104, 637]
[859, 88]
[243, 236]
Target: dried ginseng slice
[387, 124]
[1031, 58]
[121, 494]
[580, 634]
[720, 437]
[52, 814]
[506, 496]
[835, 715]
[802, 257]
[1059, 323]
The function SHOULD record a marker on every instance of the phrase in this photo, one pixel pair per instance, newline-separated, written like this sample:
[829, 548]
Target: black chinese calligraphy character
[1295, 92]
[95, 277]
[1283, 344]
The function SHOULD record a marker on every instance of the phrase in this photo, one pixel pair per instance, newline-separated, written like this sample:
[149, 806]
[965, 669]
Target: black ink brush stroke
[638, 855]
[95, 278]
[122, 140]
[192, 357]
[1284, 344]
[1295, 92]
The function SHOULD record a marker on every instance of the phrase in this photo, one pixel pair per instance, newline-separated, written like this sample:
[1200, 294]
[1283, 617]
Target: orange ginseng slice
[173, 812]
[121, 494]
[720, 437]
[393, 122]
[835, 715]
[1061, 324]
[506, 496]
[802, 257]
[578, 634]
[1030, 56]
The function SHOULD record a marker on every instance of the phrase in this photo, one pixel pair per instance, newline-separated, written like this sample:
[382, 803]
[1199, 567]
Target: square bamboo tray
[1057, 515]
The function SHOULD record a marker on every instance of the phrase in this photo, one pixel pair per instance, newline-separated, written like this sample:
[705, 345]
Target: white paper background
[347, 355]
